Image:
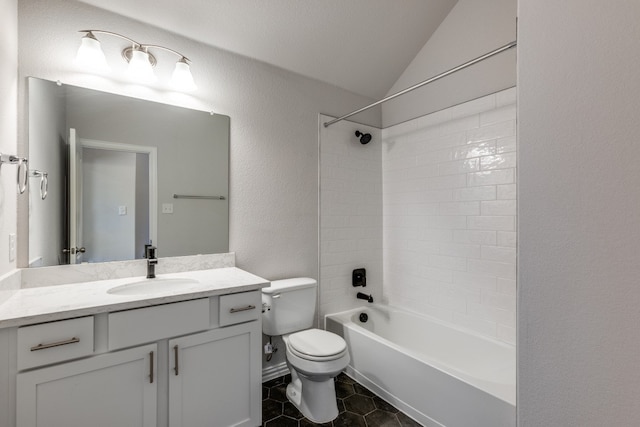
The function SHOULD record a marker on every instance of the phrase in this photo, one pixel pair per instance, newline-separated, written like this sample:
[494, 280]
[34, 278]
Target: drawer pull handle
[55, 344]
[175, 354]
[151, 367]
[237, 310]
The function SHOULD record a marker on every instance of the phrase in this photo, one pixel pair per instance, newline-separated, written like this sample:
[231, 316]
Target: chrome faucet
[152, 260]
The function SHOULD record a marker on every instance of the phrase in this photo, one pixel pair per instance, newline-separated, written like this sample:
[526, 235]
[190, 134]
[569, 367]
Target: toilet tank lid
[289, 285]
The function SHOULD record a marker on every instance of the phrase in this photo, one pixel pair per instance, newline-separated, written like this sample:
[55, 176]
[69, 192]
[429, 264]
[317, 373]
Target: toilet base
[316, 400]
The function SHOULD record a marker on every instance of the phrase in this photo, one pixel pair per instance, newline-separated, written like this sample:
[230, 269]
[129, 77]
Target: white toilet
[314, 356]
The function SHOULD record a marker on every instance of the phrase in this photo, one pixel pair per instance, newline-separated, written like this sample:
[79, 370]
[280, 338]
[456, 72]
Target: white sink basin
[153, 286]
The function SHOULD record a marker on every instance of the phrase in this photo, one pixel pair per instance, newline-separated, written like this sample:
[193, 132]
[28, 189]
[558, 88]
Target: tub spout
[360, 295]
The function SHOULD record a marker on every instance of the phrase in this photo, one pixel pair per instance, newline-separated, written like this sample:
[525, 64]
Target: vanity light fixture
[140, 67]
[141, 61]
[181, 77]
[90, 54]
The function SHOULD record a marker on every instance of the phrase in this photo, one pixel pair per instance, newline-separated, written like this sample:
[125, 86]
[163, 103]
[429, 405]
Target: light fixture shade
[182, 78]
[90, 55]
[140, 68]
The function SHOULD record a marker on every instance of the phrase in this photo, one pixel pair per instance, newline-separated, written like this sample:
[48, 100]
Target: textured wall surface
[8, 144]
[274, 125]
[8, 131]
[579, 213]
[471, 29]
[450, 215]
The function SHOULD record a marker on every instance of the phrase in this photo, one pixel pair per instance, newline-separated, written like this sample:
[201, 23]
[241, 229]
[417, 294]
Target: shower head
[364, 137]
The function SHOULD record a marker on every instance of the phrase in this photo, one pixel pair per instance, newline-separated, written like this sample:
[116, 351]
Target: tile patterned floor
[357, 406]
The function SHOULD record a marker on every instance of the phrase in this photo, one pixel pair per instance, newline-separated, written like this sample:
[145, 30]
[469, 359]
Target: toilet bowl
[314, 357]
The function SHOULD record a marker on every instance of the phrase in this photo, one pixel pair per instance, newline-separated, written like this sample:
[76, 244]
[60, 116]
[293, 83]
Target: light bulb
[140, 68]
[90, 55]
[182, 78]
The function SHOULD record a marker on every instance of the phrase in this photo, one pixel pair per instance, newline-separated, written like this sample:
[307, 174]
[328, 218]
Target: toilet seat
[317, 370]
[316, 345]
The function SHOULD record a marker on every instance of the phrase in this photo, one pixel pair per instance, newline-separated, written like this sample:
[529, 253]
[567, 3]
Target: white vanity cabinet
[214, 378]
[201, 356]
[113, 389]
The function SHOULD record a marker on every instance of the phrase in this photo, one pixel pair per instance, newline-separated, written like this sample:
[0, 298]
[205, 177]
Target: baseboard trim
[275, 371]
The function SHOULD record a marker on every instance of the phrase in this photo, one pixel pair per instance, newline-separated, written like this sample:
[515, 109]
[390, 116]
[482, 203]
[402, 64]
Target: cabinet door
[113, 389]
[215, 378]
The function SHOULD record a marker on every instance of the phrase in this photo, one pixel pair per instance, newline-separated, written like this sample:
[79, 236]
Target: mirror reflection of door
[114, 195]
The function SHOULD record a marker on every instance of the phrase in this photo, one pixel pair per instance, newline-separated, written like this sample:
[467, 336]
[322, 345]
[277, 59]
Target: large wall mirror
[121, 173]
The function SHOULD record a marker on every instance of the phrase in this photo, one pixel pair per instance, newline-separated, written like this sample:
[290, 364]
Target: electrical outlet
[167, 208]
[122, 210]
[12, 247]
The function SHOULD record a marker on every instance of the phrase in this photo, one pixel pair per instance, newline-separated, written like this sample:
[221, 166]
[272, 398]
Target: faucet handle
[359, 277]
[149, 251]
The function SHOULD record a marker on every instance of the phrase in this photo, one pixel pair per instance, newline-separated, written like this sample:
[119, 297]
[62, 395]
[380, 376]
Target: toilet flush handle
[266, 307]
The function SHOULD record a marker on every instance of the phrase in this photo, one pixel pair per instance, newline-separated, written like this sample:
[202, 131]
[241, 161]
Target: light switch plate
[122, 210]
[167, 208]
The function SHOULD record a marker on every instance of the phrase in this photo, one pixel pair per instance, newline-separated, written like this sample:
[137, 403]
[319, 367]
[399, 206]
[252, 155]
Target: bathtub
[437, 374]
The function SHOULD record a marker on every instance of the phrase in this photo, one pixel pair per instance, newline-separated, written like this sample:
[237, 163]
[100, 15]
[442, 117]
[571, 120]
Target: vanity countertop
[48, 303]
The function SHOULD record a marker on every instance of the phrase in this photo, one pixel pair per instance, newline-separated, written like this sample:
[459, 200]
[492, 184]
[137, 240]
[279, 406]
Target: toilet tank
[288, 305]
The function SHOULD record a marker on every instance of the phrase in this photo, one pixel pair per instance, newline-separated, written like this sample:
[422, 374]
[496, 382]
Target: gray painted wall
[8, 143]
[8, 129]
[579, 213]
[471, 29]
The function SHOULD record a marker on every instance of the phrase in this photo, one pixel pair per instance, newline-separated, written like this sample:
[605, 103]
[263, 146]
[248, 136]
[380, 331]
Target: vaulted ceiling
[359, 45]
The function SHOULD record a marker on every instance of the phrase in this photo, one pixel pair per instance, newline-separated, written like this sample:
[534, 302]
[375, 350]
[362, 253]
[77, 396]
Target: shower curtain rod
[432, 79]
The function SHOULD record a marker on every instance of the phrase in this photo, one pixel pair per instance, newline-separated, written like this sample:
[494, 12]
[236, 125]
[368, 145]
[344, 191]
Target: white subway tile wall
[350, 214]
[449, 215]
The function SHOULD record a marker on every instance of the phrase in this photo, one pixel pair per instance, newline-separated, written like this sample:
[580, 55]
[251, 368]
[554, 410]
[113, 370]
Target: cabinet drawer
[242, 307]
[54, 342]
[142, 325]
